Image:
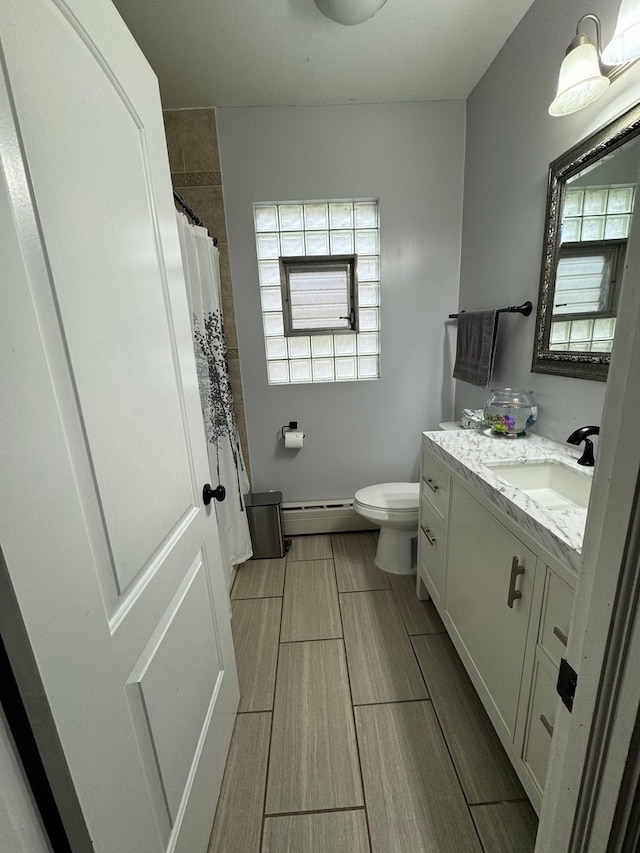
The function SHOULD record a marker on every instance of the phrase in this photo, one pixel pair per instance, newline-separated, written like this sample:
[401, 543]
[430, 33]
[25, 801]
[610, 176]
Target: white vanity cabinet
[506, 602]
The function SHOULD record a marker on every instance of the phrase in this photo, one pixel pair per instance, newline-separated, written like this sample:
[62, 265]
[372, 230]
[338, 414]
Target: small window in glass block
[319, 294]
[588, 278]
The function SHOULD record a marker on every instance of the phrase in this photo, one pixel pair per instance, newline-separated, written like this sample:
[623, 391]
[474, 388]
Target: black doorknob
[208, 494]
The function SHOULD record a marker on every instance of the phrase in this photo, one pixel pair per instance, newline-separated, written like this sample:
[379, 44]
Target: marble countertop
[469, 452]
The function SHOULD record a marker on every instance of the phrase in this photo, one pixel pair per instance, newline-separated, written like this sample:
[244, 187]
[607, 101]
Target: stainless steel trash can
[265, 524]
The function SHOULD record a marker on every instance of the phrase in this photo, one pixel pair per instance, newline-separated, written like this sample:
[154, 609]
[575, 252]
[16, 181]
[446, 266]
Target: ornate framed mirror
[590, 199]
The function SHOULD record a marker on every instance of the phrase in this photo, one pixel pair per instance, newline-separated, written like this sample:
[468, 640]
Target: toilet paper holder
[291, 425]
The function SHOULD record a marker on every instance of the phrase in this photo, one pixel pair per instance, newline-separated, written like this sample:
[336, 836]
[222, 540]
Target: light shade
[625, 44]
[349, 11]
[580, 81]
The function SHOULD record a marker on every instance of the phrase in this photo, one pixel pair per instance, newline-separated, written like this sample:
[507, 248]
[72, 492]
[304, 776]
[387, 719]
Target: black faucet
[581, 435]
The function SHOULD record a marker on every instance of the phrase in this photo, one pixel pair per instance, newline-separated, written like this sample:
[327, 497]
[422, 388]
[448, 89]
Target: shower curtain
[202, 275]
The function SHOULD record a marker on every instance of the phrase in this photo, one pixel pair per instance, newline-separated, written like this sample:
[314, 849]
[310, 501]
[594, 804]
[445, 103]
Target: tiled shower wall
[195, 172]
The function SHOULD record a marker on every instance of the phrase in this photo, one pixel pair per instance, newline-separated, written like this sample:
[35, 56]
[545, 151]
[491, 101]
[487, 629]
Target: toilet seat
[391, 497]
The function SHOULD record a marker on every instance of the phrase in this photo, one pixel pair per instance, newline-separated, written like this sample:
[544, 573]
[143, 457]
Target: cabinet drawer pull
[546, 724]
[430, 539]
[433, 486]
[562, 637]
[516, 570]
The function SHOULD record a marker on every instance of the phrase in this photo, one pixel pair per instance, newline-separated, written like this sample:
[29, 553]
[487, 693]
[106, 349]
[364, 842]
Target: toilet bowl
[394, 506]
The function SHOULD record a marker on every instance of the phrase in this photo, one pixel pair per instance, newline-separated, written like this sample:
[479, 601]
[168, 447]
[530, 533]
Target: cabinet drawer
[542, 712]
[435, 481]
[431, 545]
[556, 617]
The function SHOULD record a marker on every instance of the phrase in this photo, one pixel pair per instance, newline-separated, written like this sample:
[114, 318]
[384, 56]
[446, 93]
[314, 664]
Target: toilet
[393, 506]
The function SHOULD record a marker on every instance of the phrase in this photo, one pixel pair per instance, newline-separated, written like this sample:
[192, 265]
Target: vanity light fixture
[587, 70]
[625, 44]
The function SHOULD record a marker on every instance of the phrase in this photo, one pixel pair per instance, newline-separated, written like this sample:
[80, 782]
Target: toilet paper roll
[294, 439]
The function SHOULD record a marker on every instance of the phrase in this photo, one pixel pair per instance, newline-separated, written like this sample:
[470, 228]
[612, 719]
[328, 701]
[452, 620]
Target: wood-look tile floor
[358, 729]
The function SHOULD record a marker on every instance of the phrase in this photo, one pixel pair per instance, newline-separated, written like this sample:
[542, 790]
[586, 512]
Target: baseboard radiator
[331, 516]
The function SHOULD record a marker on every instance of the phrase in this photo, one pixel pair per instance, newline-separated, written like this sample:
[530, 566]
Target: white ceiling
[266, 52]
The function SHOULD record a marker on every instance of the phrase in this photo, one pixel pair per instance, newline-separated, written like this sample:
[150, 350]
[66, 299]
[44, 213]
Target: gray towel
[476, 346]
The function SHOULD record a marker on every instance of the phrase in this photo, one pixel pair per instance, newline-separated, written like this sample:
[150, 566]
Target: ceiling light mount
[349, 11]
[587, 70]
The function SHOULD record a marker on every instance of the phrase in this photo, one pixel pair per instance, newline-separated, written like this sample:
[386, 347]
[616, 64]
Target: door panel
[101, 179]
[114, 560]
[176, 677]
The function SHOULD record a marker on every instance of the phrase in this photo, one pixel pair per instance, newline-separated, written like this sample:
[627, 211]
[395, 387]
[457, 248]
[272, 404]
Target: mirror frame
[579, 365]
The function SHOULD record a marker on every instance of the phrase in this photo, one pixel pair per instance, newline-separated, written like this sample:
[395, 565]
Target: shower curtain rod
[525, 309]
[192, 215]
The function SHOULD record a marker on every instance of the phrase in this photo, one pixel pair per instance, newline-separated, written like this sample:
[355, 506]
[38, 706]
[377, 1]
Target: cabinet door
[490, 634]
[541, 721]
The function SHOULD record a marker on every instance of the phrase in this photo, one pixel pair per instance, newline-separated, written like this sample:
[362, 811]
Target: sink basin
[551, 484]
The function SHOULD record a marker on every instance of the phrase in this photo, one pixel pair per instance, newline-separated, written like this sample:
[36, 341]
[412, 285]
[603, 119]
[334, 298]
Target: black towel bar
[526, 308]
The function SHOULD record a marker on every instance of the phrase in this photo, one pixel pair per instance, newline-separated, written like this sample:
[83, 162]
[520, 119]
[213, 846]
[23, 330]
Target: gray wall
[410, 157]
[511, 140]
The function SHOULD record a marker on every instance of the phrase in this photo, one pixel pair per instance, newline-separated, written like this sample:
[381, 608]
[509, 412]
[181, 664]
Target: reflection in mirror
[592, 190]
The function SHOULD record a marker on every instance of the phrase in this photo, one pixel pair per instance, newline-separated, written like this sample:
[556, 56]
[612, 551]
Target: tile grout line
[273, 708]
[339, 810]
[256, 598]
[446, 743]
[353, 715]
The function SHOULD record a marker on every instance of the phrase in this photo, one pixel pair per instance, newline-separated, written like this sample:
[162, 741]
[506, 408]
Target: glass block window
[594, 232]
[313, 234]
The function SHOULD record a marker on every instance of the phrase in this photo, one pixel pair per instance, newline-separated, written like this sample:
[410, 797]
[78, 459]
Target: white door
[113, 557]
